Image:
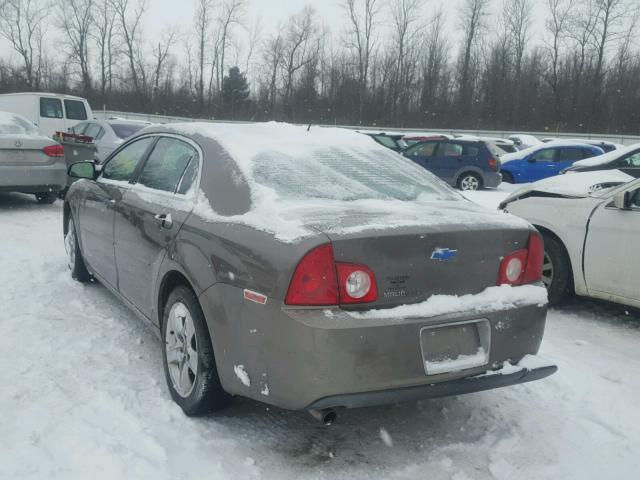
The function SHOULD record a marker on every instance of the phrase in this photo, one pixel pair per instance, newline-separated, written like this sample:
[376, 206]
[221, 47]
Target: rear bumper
[302, 358]
[434, 390]
[33, 178]
[492, 180]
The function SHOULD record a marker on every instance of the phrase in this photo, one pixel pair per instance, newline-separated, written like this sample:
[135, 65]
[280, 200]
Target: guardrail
[623, 139]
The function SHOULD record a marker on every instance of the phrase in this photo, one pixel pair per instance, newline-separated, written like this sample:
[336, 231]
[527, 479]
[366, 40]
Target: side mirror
[622, 200]
[82, 170]
[531, 159]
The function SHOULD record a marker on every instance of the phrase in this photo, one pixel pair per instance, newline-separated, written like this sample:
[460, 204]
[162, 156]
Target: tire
[194, 386]
[76, 263]
[46, 197]
[469, 182]
[556, 270]
[507, 177]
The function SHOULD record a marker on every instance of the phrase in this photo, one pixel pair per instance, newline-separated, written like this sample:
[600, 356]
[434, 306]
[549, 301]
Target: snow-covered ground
[83, 396]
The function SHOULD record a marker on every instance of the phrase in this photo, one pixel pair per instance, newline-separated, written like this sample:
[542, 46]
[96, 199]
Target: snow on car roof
[607, 157]
[296, 174]
[14, 124]
[541, 146]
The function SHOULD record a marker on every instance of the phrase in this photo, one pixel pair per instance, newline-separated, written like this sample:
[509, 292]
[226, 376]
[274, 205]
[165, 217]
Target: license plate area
[454, 347]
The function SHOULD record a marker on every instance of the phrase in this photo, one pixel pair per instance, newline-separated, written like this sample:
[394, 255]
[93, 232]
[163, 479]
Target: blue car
[465, 164]
[542, 161]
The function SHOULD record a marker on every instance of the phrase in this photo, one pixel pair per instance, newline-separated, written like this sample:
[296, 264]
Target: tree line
[391, 64]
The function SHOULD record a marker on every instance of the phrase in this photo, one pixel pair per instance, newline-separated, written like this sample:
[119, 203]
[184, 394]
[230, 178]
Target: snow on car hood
[606, 158]
[578, 185]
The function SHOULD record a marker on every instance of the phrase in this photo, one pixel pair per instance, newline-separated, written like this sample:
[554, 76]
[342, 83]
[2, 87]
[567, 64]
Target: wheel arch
[170, 280]
[546, 231]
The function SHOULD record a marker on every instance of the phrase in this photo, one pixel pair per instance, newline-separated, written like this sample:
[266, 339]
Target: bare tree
[161, 54]
[517, 18]
[472, 22]
[230, 15]
[22, 24]
[104, 17]
[130, 23]
[203, 18]
[557, 25]
[273, 55]
[407, 30]
[434, 60]
[360, 39]
[299, 50]
[75, 18]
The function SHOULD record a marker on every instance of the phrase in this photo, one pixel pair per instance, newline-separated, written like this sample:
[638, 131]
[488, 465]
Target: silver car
[108, 134]
[30, 162]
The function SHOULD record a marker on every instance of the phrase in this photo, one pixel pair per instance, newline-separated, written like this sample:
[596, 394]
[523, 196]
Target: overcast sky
[178, 14]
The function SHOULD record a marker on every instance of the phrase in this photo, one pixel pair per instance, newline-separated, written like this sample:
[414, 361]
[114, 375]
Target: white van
[51, 112]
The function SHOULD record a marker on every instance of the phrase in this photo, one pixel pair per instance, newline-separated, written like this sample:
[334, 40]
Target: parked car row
[470, 163]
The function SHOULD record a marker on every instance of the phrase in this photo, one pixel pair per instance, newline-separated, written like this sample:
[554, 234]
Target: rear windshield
[338, 173]
[495, 149]
[124, 130]
[15, 125]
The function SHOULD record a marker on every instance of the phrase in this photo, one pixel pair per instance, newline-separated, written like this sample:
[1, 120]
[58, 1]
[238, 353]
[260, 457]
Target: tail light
[54, 151]
[356, 283]
[523, 266]
[493, 164]
[318, 280]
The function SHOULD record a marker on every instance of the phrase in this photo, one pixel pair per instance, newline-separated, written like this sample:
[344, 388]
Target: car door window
[450, 150]
[569, 155]
[426, 149]
[51, 108]
[631, 160]
[75, 110]
[123, 164]
[545, 155]
[166, 164]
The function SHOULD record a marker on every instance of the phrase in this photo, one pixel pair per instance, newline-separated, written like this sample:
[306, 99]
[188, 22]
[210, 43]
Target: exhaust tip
[326, 416]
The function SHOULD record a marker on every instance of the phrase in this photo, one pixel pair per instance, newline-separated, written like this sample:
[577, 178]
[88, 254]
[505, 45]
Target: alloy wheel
[181, 349]
[547, 271]
[470, 183]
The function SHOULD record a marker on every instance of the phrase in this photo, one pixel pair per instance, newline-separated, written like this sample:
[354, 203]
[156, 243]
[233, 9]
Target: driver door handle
[164, 220]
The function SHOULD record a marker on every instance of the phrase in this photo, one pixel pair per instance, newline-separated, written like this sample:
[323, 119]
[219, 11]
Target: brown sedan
[306, 269]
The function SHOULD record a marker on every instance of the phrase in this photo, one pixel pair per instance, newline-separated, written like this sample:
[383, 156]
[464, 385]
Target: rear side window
[450, 150]
[123, 164]
[570, 154]
[51, 108]
[75, 110]
[167, 164]
[586, 153]
[471, 150]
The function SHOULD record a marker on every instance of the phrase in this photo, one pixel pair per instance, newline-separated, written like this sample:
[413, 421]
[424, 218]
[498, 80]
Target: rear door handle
[164, 220]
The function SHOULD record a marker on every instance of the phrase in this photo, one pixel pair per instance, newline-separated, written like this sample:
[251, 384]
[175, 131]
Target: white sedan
[591, 226]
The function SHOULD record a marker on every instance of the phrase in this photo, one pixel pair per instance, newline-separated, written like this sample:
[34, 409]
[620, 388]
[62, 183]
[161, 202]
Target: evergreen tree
[235, 94]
